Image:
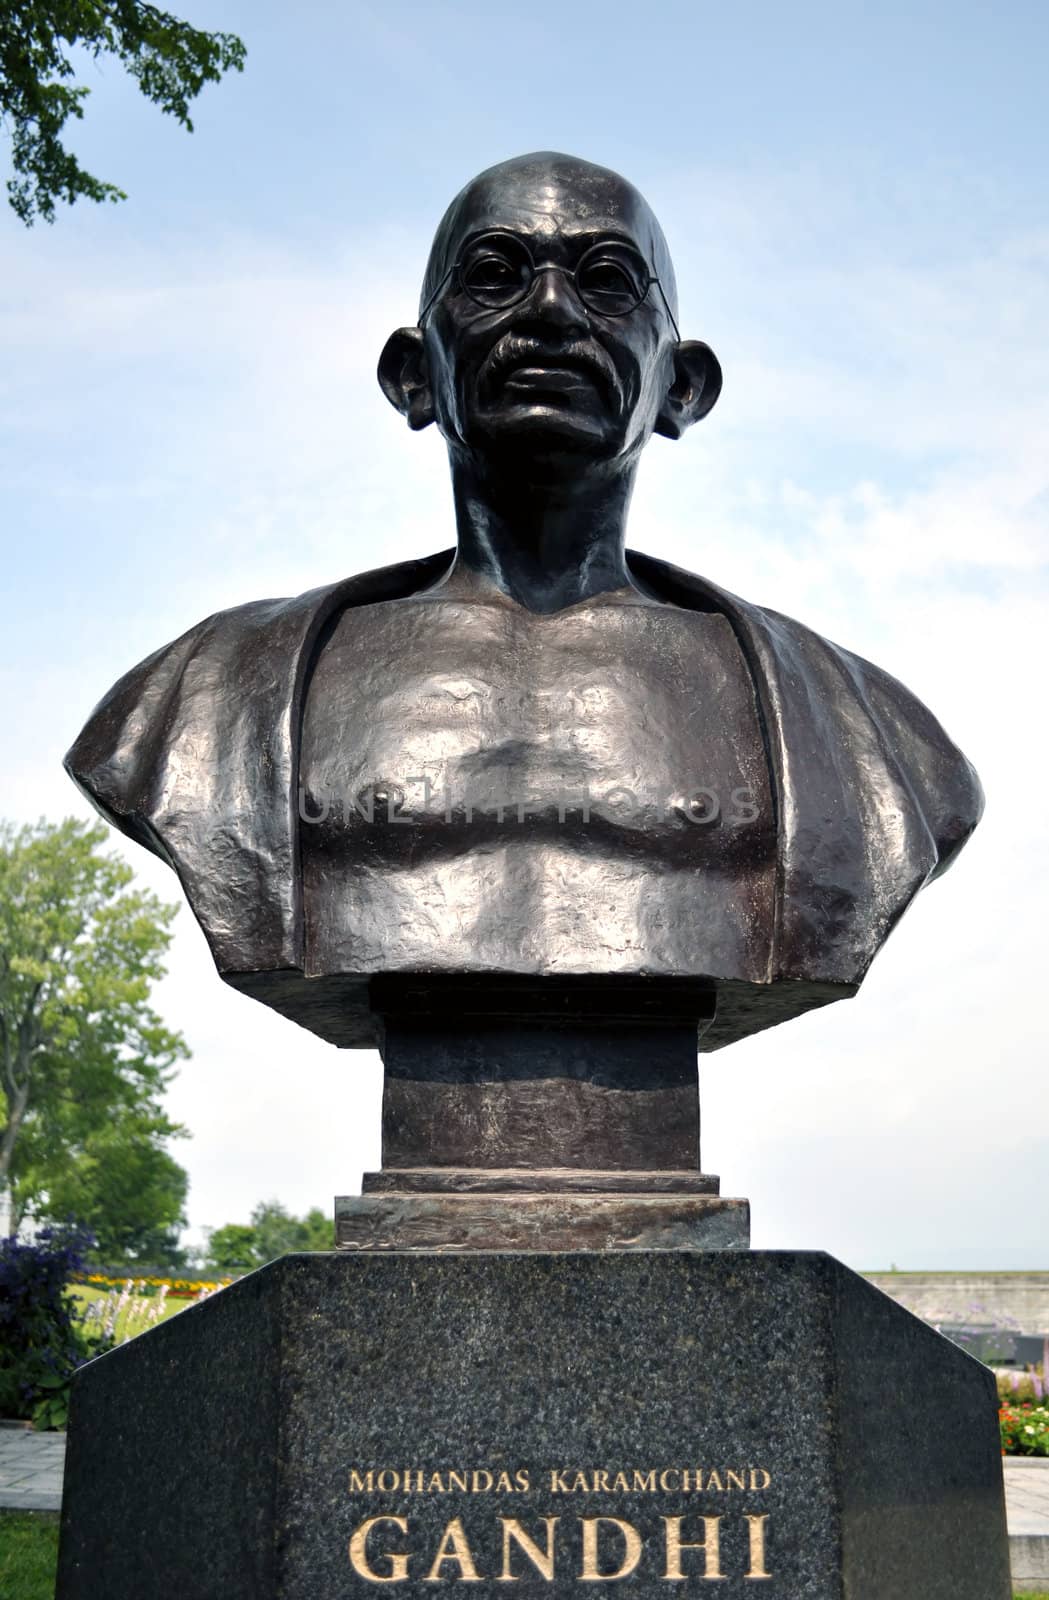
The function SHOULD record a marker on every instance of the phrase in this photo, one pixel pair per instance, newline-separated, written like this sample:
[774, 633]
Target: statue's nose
[553, 298]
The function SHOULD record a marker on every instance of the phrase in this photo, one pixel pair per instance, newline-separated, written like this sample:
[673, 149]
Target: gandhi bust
[540, 759]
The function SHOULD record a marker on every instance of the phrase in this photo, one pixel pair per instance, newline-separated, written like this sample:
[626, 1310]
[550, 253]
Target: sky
[856, 202]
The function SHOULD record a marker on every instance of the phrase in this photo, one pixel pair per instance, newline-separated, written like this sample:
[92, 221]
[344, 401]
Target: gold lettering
[756, 1528]
[557, 1483]
[644, 1482]
[359, 1485]
[591, 1572]
[619, 1484]
[735, 1480]
[579, 1483]
[714, 1482]
[457, 1480]
[477, 1485]
[542, 1560]
[709, 1545]
[359, 1553]
[435, 1484]
[754, 1473]
[503, 1484]
[600, 1481]
[668, 1472]
[388, 1481]
[521, 1479]
[453, 1547]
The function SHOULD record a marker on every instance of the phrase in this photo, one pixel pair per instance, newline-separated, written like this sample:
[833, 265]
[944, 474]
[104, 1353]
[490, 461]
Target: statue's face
[521, 353]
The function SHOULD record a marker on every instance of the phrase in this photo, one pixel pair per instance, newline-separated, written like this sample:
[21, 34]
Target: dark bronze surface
[537, 1180]
[538, 760]
[535, 793]
[494, 1094]
[541, 1220]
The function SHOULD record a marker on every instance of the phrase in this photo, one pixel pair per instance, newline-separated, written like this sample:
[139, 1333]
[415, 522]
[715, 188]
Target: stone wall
[1012, 1303]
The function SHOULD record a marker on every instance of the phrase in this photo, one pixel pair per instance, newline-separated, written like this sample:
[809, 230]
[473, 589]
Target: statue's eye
[609, 284]
[491, 272]
[495, 279]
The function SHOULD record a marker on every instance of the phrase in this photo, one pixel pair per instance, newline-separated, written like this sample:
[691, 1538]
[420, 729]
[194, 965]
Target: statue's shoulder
[260, 631]
[909, 737]
[816, 693]
[225, 685]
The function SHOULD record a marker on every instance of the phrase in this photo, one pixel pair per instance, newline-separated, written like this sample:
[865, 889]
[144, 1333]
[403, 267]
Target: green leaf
[170, 60]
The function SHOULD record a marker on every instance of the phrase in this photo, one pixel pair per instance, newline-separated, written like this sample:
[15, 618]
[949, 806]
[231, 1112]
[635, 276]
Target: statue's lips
[553, 379]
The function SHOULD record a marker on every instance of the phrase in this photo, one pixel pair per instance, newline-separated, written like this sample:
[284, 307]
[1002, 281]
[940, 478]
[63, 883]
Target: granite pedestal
[341, 1425]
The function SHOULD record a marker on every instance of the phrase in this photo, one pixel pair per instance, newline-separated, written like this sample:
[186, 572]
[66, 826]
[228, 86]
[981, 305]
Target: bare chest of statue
[482, 788]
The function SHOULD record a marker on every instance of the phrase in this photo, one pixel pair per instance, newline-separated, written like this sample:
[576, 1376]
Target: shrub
[41, 1338]
[1014, 1388]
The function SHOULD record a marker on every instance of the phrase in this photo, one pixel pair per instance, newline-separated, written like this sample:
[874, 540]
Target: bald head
[550, 194]
[547, 339]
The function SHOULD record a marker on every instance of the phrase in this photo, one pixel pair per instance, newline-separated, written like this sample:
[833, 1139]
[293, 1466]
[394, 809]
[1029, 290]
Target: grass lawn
[28, 1555]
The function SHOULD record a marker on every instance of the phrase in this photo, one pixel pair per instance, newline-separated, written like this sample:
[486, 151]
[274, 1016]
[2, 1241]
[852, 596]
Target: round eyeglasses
[497, 270]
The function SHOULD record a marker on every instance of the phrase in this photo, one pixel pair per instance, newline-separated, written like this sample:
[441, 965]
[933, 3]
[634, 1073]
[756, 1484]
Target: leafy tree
[318, 1230]
[273, 1232]
[130, 1187]
[84, 1060]
[232, 1248]
[171, 61]
[277, 1232]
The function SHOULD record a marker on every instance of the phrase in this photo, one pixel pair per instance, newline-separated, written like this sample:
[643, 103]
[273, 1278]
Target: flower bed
[177, 1288]
[1023, 1413]
[1025, 1430]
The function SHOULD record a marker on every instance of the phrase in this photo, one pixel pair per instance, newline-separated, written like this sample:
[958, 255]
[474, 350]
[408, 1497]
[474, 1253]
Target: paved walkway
[1027, 1494]
[31, 1480]
[31, 1469]
[1027, 1508]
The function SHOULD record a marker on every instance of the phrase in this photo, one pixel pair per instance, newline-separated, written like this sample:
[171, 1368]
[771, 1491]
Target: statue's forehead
[549, 196]
[546, 204]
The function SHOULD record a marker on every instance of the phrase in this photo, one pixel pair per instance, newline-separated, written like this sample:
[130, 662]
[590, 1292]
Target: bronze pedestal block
[541, 1117]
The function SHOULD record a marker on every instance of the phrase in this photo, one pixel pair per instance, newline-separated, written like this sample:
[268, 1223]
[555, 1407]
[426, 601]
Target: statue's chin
[539, 431]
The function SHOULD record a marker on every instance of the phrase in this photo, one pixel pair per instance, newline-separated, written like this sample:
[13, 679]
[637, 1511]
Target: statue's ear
[696, 386]
[404, 376]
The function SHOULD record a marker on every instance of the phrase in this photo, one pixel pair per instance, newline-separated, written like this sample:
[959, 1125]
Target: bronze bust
[540, 757]
[536, 816]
